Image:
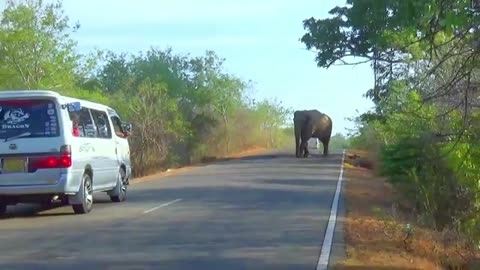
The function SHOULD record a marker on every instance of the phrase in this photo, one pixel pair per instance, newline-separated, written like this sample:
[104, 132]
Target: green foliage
[338, 142]
[378, 28]
[183, 109]
[35, 48]
[270, 117]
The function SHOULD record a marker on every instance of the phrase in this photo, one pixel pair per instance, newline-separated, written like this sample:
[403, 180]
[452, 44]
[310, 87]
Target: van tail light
[61, 160]
[66, 156]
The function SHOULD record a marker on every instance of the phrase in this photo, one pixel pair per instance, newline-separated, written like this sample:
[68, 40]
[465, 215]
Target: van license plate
[13, 165]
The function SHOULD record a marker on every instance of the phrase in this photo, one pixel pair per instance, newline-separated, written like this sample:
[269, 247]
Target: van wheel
[87, 195]
[119, 193]
[3, 209]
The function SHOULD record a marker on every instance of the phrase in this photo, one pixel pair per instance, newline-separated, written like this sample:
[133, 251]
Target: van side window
[117, 125]
[86, 126]
[102, 125]
[82, 121]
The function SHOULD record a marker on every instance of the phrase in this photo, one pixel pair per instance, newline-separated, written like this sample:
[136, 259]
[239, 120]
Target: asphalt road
[262, 212]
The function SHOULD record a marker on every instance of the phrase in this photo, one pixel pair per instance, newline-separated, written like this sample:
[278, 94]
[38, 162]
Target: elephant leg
[306, 136]
[305, 149]
[298, 150]
[325, 146]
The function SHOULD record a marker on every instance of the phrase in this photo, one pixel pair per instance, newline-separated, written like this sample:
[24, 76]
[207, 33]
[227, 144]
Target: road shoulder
[338, 253]
[375, 230]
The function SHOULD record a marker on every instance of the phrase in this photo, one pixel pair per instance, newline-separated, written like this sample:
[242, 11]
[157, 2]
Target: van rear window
[28, 118]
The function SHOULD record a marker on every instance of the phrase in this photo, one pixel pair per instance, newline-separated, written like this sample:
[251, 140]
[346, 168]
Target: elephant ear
[307, 117]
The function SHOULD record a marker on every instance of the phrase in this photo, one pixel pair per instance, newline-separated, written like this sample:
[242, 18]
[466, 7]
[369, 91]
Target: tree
[36, 50]
[272, 116]
[114, 75]
[425, 57]
[393, 35]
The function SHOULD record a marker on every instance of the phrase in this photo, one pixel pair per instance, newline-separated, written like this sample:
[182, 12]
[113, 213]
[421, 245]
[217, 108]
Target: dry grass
[375, 230]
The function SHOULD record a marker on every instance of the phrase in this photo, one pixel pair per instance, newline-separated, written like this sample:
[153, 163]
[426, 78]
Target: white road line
[328, 239]
[160, 206]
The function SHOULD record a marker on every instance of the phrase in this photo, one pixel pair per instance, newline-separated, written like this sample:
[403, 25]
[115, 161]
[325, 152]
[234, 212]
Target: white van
[56, 147]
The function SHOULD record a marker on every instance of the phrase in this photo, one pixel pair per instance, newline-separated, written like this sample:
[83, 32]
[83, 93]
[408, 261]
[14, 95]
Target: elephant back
[319, 123]
[322, 124]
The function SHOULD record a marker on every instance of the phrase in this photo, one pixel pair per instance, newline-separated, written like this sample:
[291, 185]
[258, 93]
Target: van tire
[119, 193]
[87, 195]
[3, 209]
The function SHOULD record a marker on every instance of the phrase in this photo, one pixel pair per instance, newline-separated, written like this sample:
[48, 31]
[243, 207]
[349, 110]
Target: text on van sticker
[86, 147]
[7, 126]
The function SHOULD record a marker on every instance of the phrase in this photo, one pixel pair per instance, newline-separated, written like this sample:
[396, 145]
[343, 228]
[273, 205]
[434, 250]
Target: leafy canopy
[36, 50]
[388, 30]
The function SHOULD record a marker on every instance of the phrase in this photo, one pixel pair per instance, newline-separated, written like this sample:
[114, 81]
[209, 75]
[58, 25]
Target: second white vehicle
[57, 147]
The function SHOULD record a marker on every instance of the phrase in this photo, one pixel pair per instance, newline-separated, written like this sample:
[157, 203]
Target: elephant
[311, 124]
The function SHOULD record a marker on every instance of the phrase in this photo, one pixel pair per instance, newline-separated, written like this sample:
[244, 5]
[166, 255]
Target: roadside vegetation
[382, 231]
[421, 138]
[184, 109]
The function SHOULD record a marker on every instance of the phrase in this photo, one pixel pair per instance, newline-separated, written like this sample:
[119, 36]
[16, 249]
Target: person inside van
[75, 121]
[121, 134]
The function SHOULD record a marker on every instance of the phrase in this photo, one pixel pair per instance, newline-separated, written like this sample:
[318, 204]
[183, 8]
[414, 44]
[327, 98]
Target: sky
[258, 39]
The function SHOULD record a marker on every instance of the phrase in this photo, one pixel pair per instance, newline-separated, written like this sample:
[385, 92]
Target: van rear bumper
[67, 184]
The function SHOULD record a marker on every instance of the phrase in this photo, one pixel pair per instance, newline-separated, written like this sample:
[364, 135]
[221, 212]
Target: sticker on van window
[47, 128]
[14, 118]
[37, 116]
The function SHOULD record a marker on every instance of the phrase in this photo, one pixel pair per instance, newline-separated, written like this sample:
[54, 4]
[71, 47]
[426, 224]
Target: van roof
[49, 93]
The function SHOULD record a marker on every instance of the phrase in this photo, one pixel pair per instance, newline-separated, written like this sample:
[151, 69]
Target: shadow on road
[35, 213]
[282, 159]
[27, 210]
[37, 210]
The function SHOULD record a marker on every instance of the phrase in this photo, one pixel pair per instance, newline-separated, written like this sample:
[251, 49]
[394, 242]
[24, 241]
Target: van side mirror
[74, 106]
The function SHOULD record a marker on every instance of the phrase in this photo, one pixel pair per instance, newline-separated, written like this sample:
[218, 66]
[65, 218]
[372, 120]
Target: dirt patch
[250, 152]
[380, 236]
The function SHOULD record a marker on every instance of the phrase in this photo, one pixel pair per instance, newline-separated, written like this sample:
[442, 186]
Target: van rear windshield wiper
[25, 134]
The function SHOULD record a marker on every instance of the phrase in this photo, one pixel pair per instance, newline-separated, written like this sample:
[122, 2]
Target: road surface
[262, 212]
